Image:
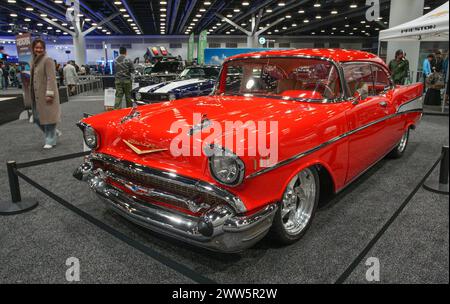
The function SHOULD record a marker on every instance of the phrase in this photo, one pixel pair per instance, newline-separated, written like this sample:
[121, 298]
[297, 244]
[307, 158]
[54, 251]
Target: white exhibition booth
[430, 27]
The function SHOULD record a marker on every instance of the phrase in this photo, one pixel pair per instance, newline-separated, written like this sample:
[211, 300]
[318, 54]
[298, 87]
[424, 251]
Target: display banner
[217, 56]
[190, 56]
[24, 54]
[202, 44]
[23, 44]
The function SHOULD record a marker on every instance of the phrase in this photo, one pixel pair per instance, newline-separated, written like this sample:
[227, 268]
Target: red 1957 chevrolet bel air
[282, 131]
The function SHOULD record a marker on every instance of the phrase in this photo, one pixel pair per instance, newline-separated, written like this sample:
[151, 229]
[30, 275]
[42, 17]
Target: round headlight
[227, 168]
[90, 137]
[138, 96]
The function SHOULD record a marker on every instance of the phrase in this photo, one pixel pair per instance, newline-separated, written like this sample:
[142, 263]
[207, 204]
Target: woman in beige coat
[44, 93]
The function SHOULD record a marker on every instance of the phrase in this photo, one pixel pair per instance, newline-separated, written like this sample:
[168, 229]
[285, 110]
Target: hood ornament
[204, 124]
[133, 113]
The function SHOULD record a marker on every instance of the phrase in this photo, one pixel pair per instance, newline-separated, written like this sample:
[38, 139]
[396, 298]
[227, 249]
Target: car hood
[161, 123]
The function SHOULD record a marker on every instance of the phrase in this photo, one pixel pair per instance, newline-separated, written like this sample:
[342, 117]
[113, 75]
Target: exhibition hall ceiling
[182, 17]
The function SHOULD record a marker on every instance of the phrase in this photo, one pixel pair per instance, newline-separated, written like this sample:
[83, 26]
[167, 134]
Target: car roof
[337, 55]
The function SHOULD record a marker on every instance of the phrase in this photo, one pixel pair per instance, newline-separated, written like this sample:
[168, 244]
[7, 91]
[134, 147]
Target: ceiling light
[30, 9]
[122, 10]
[13, 15]
[317, 4]
[334, 12]
[27, 19]
[353, 5]
[301, 11]
[117, 2]
[306, 21]
[318, 17]
[281, 4]
[269, 10]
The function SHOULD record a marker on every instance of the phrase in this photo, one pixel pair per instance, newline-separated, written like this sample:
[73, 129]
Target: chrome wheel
[403, 142]
[298, 202]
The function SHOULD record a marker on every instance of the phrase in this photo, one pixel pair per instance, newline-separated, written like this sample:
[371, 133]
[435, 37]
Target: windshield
[166, 67]
[210, 73]
[290, 78]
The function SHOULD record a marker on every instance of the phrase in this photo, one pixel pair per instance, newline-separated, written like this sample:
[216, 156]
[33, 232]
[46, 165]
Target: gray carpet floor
[34, 246]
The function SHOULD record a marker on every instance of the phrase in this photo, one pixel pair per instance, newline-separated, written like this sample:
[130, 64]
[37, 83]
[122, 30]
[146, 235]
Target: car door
[367, 127]
[384, 89]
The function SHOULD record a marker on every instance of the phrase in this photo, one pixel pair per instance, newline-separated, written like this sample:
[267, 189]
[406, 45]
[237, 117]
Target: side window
[359, 79]
[381, 79]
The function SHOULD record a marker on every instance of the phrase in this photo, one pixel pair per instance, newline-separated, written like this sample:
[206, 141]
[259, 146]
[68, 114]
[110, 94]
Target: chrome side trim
[400, 111]
[234, 201]
[411, 106]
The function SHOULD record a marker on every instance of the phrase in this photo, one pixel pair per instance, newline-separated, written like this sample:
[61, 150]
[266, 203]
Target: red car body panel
[333, 128]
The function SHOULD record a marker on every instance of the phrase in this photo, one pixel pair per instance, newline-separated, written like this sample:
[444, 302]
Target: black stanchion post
[443, 171]
[17, 205]
[14, 186]
[442, 184]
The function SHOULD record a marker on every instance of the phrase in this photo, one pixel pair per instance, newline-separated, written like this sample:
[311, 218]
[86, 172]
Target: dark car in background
[192, 82]
[162, 71]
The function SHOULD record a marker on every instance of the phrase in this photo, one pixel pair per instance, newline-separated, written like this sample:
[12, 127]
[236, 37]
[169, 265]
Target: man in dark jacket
[399, 68]
[124, 68]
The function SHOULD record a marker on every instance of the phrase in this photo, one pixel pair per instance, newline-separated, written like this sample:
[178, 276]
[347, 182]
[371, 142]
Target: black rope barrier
[52, 159]
[344, 276]
[174, 265]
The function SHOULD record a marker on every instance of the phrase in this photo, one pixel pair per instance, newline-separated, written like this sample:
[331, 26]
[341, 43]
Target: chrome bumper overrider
[219, 228]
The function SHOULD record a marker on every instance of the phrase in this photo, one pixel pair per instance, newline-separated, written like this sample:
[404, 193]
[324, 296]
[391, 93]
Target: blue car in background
[192, 82]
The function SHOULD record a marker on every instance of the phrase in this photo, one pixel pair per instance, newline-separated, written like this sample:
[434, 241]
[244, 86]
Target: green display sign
[191, 46]
[202, 45]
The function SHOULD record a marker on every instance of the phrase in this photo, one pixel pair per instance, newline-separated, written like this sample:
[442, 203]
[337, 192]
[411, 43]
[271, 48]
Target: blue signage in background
[217, 56]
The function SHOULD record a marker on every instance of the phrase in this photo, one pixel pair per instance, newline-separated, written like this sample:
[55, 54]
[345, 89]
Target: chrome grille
[164, 185]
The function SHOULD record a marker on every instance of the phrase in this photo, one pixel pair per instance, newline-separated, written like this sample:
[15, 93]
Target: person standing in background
[70, 77]
[1, 75]
[426, 68]
[13, 76]
[124, 68]
[5, 79]
[438, 63]
[44, 93]
[399, 68]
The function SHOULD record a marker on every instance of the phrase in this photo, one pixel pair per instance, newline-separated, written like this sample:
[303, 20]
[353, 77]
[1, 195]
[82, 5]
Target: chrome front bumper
[220, 228]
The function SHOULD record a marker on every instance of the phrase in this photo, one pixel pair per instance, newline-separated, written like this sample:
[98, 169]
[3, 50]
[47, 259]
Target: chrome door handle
[383, 104]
